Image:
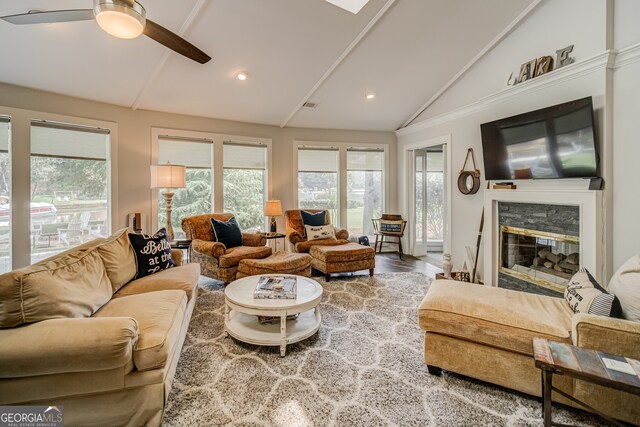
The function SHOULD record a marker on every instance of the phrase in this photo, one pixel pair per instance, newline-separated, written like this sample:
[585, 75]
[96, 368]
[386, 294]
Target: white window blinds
[244, 156]
[435, 162]
[61, 140]
[5, 126]
[186, 152]
[365, 160]
[317, 160]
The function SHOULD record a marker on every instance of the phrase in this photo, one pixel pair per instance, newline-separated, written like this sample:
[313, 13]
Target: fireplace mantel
[591, 225]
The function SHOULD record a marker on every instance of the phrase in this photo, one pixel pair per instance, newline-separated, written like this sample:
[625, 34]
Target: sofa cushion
[233, 256]
[497, 317]
[118, 258]
[73, 285]
[159, 315]
[315, 219]
[153, 253]
[625, 284]
[184, 277]
[305, 246]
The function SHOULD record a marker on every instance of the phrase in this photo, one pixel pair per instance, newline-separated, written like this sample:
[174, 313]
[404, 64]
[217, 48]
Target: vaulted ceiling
[403, 51]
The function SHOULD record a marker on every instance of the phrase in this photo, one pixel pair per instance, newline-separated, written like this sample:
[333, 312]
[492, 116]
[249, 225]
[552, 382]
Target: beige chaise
[486, 333]
[76, 331]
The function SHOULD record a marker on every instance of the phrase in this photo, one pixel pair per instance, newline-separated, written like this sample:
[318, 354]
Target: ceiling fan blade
[50, 17]
[175, 42]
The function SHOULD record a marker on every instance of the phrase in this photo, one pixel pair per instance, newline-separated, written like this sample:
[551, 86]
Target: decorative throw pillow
[153, 253]
[625, 284]
[585, 295]
[316, 219]
[227, 232]
[320, 232]
[391, 226]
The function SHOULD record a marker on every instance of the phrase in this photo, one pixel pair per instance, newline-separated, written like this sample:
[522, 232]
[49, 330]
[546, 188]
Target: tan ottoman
[345, 258]
[278, 263]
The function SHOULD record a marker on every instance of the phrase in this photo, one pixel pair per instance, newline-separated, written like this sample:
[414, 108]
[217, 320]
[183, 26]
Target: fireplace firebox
[542, 258]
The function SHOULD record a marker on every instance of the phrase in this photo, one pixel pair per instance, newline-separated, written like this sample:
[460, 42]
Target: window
[435, 196]
[69, 186]
[364, 189]
[318, 180]
[195, 198]
[245, 183]
[5, 195]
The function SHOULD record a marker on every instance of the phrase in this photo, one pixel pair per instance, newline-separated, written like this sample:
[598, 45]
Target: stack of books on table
[276, 287]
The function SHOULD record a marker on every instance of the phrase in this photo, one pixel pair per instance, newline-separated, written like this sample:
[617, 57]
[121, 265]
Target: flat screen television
[554, 142]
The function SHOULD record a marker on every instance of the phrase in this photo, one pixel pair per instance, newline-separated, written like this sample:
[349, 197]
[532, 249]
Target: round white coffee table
[241, 311]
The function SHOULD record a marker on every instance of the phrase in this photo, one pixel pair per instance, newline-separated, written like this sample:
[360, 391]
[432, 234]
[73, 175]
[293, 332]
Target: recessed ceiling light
[352, 6]
[370, 95]
[242, 76]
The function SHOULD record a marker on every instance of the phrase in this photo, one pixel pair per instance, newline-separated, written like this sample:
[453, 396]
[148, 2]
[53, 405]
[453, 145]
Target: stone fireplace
[536, 240]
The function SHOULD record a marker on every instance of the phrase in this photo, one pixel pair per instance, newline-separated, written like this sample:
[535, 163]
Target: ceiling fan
[125, 19]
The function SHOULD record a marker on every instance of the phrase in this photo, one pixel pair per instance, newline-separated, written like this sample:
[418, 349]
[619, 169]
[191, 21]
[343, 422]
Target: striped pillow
[585, 295]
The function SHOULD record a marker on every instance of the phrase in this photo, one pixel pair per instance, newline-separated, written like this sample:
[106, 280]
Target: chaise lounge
[486, 333]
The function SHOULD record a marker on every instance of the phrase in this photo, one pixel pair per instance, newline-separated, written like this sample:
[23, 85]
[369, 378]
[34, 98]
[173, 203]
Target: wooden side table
[582, 364]
[274, 237]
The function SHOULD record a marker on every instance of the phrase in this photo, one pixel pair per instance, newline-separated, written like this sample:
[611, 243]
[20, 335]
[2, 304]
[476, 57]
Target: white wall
[134, 145]
[626, 131]
[482, 95]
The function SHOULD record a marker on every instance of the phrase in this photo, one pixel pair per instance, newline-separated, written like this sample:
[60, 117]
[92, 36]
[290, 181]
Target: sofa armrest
[177, 256]
[254, 239]
[212, 249]
[342, 233]
[67, 345]
[607, 334]
[293, 236]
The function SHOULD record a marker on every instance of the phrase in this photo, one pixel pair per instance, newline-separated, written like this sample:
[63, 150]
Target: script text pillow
[585, 295]
[153, 253]
[320, 232]
[625, 284]
[227, 232]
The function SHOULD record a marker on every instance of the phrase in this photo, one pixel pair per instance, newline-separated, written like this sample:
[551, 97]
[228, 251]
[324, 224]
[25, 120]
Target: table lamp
[168, 176]
[273, 208]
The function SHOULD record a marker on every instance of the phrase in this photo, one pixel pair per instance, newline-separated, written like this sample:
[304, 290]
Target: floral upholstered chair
[296, 240]
[215, 259]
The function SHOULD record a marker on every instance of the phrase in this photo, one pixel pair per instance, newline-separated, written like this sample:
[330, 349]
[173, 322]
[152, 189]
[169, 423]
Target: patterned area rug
[363, 368]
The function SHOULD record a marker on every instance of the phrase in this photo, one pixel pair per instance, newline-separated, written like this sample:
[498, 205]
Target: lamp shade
[272, 208]
[168, 176]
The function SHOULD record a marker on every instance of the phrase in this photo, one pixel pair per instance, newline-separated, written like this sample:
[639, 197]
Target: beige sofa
[486, 333]
[77, 331]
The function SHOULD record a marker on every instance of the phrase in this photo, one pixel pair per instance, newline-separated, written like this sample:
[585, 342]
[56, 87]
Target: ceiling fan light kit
[120, 20]
[125, 19]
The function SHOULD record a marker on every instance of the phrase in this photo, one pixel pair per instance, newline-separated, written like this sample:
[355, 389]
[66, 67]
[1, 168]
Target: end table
[582, 364]
[184, 245]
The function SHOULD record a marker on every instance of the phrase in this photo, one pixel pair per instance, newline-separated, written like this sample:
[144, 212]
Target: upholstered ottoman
[345, 258]
[280, 262]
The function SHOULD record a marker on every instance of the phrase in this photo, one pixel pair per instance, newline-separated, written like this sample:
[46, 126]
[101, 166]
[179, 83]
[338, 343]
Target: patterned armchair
[296, 241]
[216, 261]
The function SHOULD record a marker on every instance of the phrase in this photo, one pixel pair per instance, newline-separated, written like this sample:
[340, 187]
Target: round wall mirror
[469, 182]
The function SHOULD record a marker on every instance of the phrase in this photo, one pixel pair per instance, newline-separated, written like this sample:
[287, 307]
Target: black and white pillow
[585, 295]
[314, 219]
[320, 232]
[153, 253]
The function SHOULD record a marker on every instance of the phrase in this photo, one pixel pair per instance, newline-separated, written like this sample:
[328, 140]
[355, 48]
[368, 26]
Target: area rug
[363, 368]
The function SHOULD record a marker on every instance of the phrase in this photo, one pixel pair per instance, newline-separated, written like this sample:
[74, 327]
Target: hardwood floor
[389, 262]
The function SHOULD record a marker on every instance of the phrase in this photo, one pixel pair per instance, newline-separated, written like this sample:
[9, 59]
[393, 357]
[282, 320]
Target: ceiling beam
[195, 11]
[493, 43]
[339, 60]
